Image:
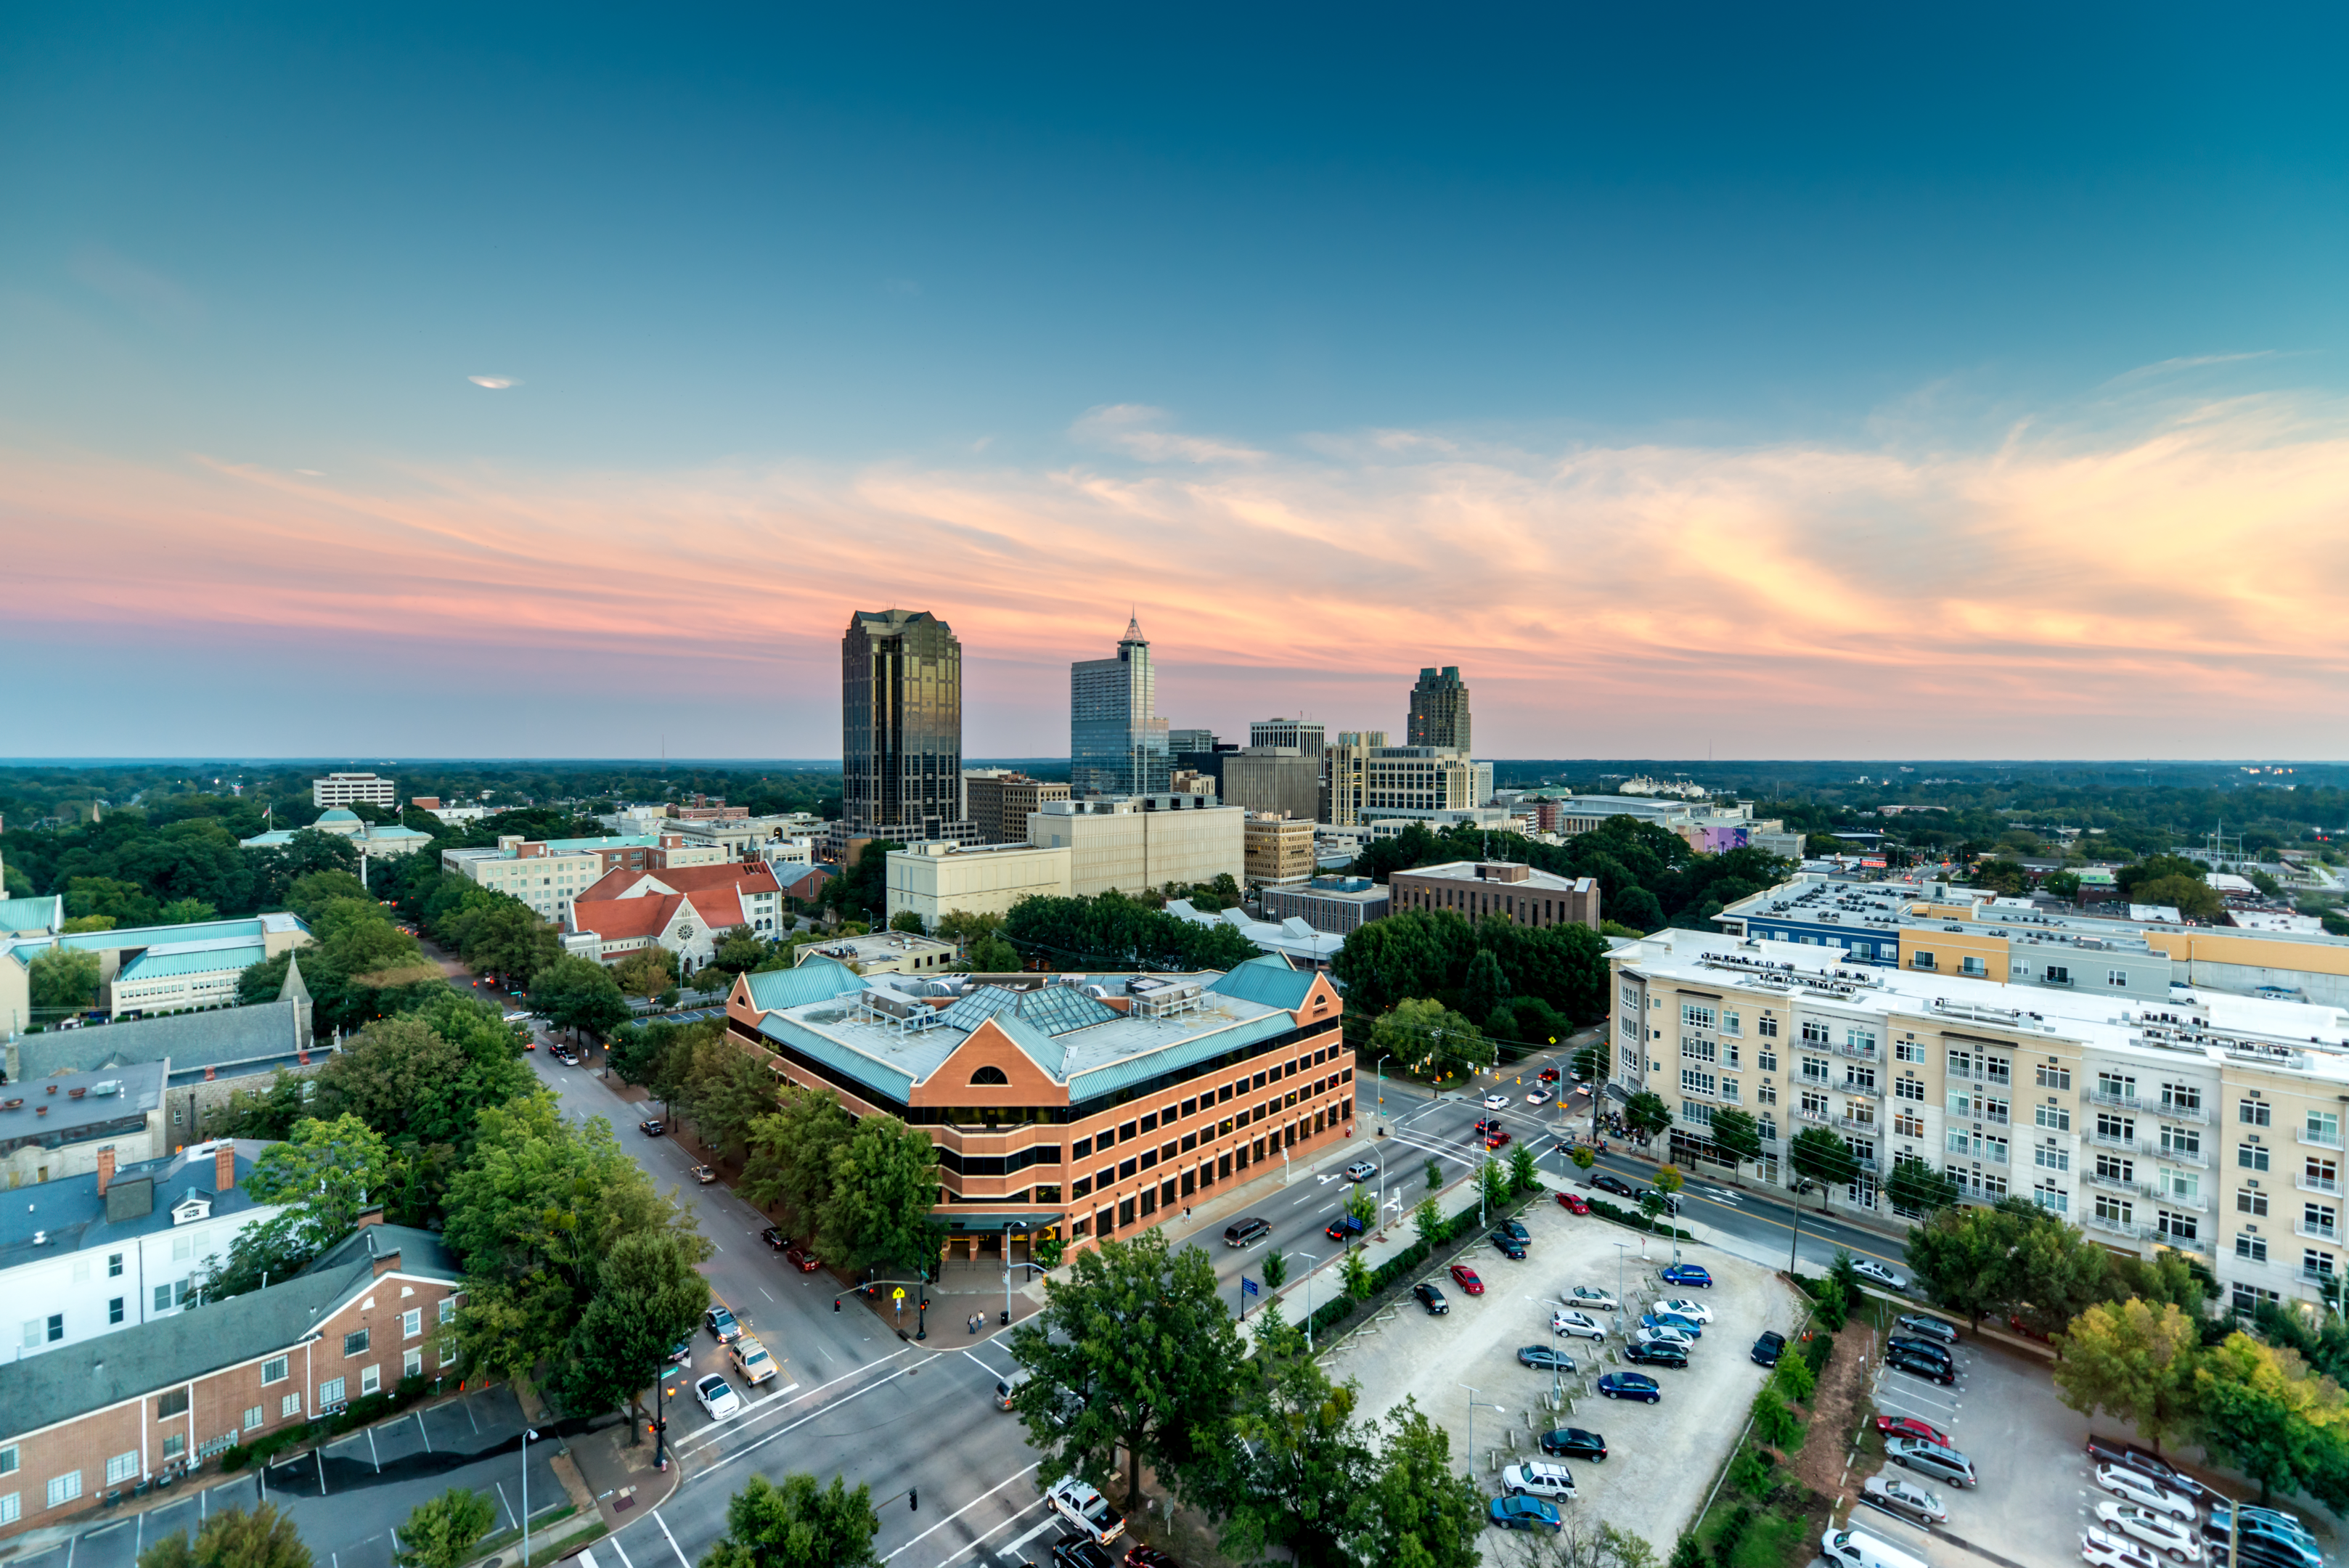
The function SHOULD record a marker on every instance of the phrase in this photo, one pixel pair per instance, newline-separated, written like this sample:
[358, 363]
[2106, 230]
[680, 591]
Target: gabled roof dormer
[191, 1207]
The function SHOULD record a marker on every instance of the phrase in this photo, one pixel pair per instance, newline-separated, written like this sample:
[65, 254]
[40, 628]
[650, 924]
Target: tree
[310, 894]
[884, 1182]
[646, 972]
[323, 1173]
[1493, 1181]
[1825, 1157]
[1843, 1274]
[576, 992]
[1427, 1221]
[2190, 896]
[1522, 1176]
[1275, 1268]
[648, 1296]
[64, 978]
[1593, 1061]
[1417, 1511]
[794, 1523]
[1583, 1155]
[1776, 1425]
[1485, 987]
[2134, 1360]
[1428, 1037]
[1916, 1187]
[233, 1538]
[2262, 1410]
[788, 1158]
[1354, 1275]
[991, 954]
[507, 938]
[2058, 1272]
[1434, 1172]
[1795, 1379]
[1646, 1115]
[907, 920]
[1140, 1335]
[1737, 1135]
[1363, 1207]
[1962, 1259]
[1289, 1460]
[962, 926]
[440, 1531]
[728, 1089]
[189, 911]
[738, 951]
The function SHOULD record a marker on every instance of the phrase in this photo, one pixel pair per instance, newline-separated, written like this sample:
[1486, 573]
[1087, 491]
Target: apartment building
[1475, 889]
[347, 789]
[1346, 775]
[2204, 1124]
[1279, 850]
[551, 874]
[1077, 1111]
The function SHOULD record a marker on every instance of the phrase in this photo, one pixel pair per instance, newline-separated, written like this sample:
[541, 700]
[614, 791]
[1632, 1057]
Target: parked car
[1590, 1300]
[1524, 1513]
[1360, 1170]
[1652, 1332]
[1630, 1385]
[1573, 1203]
[1576, 1325]
[1517, 1231]
[1148, 1557]
[1686, 1308]
[1508, 1245]
[1082, 1505]
[1574, 1443]
[704, 1174]
[1870, 1268]
[718, 1398]
[1555, 1482]
[1930, 1349]
[2263, 1534]
[1919, 1366]
[1673, 1320]
[1545, 1359]
[2145, 1462]
[1080, 1551]
[1925, 1325]
[1909, 1427]
[1932, 1458]
[1905, 1498]
[1465, 1278]
[681, 1353]
[2159, 1531]
[1686, 1274]
[721, 1323]
[1497, 1102]
[652, 1126]
[775, 1240]
[2101, 1549]
[799, 1257]
[2135, 1486]
[1656, 1352]
[1431, 1298]
[1607, 1182]
[1769, 1347]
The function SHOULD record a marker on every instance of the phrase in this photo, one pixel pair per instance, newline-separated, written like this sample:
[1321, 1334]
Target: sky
[514, 381]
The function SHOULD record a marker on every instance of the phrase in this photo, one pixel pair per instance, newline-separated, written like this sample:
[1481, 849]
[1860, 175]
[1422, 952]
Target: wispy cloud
[161, 300]
[495, 383]
[2175, 588]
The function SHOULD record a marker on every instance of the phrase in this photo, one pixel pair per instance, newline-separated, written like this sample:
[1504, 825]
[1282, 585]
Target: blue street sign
[1248, 1286]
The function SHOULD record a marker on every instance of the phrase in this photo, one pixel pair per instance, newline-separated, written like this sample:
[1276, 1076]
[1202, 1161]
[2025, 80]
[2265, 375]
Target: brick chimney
[105, 1170]
[225, 1167]
[371, 1217]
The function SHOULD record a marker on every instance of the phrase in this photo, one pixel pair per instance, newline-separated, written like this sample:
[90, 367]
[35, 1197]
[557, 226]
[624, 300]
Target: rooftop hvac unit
[1168, 1002]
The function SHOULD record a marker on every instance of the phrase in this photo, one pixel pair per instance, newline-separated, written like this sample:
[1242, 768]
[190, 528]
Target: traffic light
[835, 1304]
[912, 1498]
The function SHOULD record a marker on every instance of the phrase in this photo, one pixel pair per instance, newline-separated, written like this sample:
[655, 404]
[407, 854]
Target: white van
[1858, 1549]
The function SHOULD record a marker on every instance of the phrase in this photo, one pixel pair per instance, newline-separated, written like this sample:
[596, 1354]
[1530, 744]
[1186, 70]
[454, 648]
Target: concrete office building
[1439, 711]
[1131, 845]
[885, 952]
[2204, 1124]
[1276, 779]
[935, 880]
[1475, 889]
[1117, 741]
[998, 802]
[1417, 781]
[1076, 1111]
[347, 789]
[149, 969]
[1303, 735]
[1180, 741]
[901, 728]
[1334, 904]
[1346, 775]
[1279, 850]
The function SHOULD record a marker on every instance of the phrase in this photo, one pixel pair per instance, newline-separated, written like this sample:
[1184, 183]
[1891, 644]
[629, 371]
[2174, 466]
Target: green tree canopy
[1427, 1037]
[648, 1296]
[1821, 1155]
[1289, 1463]
[577, 992]
[884, 1182]
[1114, 931]
[64, 977]
[1417, 1511]
[233, 1538]
[439, 1531]
[1737, 1134]
[793, 1523]
[2133, 1361]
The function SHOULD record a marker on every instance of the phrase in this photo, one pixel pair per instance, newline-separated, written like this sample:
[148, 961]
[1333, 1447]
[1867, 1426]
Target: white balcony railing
[2308, 1183]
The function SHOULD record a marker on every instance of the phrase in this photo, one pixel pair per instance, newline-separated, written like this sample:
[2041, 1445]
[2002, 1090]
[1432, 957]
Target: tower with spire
[1117, 741]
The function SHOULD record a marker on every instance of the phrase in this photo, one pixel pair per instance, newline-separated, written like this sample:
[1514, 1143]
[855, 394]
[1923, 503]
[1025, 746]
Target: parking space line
[422, 1433]
[673, 1546]
[622, 1551]
[511, 1522]
[966, 1508]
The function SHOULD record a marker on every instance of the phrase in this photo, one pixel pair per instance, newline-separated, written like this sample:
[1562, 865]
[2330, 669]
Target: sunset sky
[1833, 382]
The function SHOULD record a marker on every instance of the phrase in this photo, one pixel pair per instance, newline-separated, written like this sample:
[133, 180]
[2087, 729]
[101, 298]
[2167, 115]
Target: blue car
[1524, 1513]
[1687, 1325]
[1630, 1385]
[1686, 1274]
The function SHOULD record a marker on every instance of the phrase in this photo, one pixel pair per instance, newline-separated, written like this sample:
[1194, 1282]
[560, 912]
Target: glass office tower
[901, 725]
[1117, 742]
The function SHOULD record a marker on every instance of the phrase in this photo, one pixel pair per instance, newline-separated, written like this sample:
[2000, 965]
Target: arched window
[989, 1076]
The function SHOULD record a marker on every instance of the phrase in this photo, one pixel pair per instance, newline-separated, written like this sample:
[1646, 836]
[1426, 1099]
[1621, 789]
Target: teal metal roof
[632, 841]
[338, 814]
[894, 1082]
[205, 958]
[30, 914]
[275, 838]
[155, 935]
[817, 980]
[1267, 980]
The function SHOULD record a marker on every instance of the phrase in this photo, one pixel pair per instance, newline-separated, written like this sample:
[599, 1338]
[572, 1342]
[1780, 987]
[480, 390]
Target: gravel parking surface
[1662, 1458]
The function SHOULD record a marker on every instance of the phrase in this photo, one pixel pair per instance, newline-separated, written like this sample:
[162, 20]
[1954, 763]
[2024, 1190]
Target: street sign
[897, 1294]
[1248, 1286]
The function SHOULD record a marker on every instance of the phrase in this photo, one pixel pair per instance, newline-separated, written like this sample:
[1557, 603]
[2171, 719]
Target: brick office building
[87, 1421]
[1518, 894]
[1074, 1111]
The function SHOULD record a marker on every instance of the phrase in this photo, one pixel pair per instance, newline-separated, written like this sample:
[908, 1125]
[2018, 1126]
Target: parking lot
[1662, 1458]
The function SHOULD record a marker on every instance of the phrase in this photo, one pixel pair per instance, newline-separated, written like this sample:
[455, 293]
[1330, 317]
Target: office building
[1278, 849]
[1302, 735]
[1346, 775]
[1143, 842]
[1281, 780]
[1117, 742]
[550, 875]
[901, 727]
[2204, 1124]
[1439, 711]
[1416, 782]
[349, 789]
[454, 814]
[998, 802]
[1181, 741]
[149, 969]
[935, 880]
[1078, 1106]
[1334, 904]
[1475, 889]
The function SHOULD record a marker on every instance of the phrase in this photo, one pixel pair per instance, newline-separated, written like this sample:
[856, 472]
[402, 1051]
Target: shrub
[1815, 1350]
[1774, 1421]
[1794, 1378]
[1753, 1473]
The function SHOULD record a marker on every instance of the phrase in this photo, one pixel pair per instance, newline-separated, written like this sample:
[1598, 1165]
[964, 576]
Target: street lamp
[527, 1434]
[1618, 1277]
[1473, 1403]
[1310, 1262]
[1383, 1086]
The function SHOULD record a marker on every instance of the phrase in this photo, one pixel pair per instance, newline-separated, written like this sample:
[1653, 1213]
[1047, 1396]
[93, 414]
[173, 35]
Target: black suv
[1658, 1353]
[1431, 1298]
[1574, 1443]
[1769, 1347]
[1918, 1364]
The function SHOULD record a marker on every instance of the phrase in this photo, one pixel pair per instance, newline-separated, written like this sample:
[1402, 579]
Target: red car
[1465, 1278]
[1148, 1557]
[1497, 1138]
[1547, 1075]
[799, 1257]
[1909, 1427]
[1573, 1203]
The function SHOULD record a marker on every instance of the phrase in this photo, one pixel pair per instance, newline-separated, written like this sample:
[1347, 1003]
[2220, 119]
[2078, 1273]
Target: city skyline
[1612, 366]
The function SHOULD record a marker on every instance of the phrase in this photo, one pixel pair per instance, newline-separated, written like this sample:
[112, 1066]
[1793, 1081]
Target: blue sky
[933, 247]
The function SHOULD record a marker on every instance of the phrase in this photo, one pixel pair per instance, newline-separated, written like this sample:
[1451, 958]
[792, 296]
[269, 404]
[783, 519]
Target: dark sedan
[775, 1240]
[1431, 1298]
[1574, 1443]
[1769, 1348]
[1509, 1245]
[1543, 1358]
[1630, 1385]
[652, 1126]
[1607, 1182]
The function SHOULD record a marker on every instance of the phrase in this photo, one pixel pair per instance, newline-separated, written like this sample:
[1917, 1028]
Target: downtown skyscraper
[1117, 742]
[1439, 711]
[901, 726]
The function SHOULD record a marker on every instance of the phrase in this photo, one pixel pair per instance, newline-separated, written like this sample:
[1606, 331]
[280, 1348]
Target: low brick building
[1475, 888]
[105, 1416]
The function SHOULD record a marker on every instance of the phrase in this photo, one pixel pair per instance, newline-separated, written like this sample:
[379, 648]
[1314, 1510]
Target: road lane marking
[811, 1416]
[673, 1546]
[622, 1551]
[975, 1357]
[768, 1407]
[966, 1508]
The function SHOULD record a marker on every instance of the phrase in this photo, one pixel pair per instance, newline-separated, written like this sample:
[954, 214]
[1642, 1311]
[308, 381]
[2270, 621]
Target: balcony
[2309, 1276]
[1862, 1126]
[1859, 1052]
[2094, 1222]
[2177, 1113]
[2172, 1199]
[2193, 1156]
[2126, 1145]
[1805, 1114]
[2119, 1184]
[2316, 1232]
[1873, 1091]
[2184, 1243]
[2307, 1183]
[2319, 1139]
[2112, 1101]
